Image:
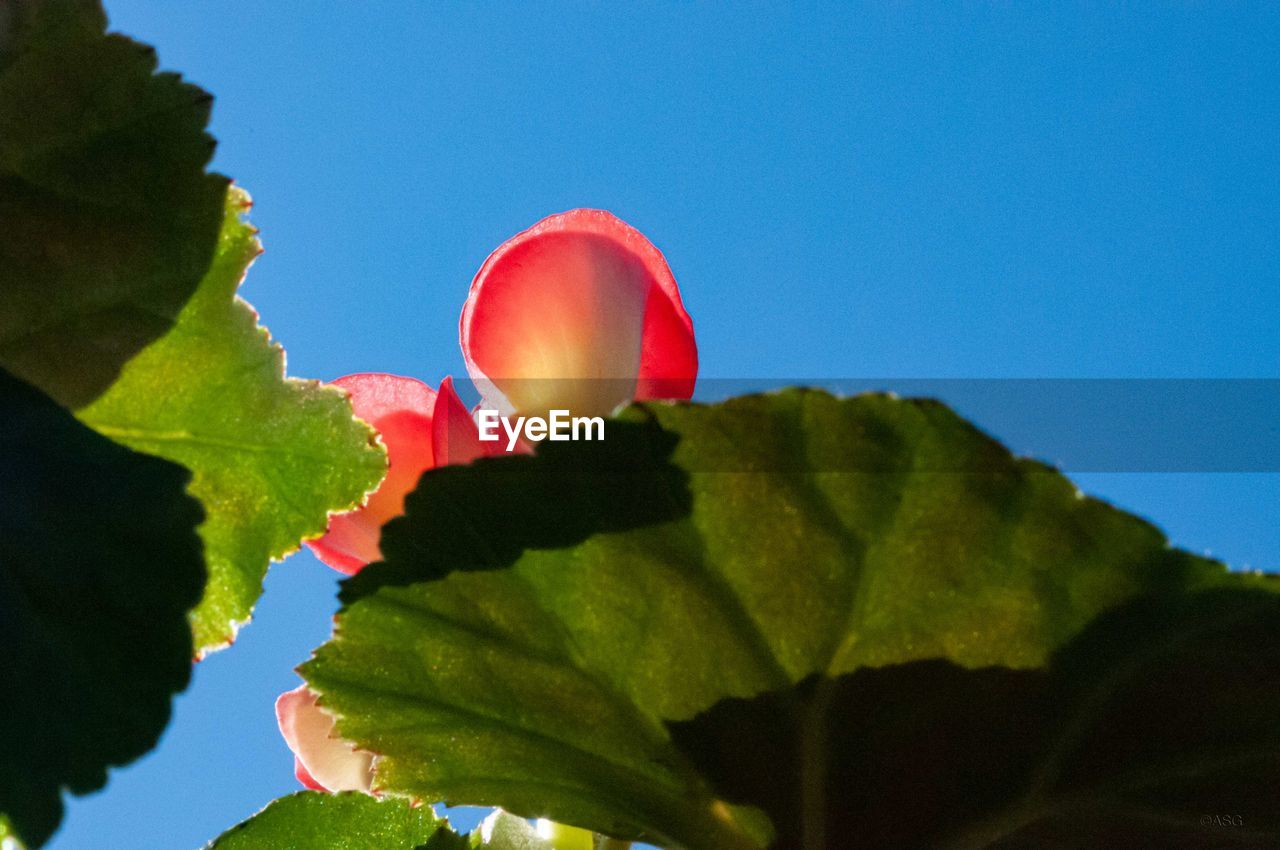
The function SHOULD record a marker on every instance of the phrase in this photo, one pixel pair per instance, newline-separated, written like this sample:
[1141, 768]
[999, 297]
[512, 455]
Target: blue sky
[888, 191]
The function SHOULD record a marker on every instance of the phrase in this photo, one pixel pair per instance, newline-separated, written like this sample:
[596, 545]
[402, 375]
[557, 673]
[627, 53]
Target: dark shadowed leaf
[108, 219]
[823, 536]
[556, 498]
[99, 565]
[1159, 715]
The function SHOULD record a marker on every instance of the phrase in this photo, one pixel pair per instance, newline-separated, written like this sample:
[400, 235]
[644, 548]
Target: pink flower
[579, 312]
[421, 429]
[321, 761]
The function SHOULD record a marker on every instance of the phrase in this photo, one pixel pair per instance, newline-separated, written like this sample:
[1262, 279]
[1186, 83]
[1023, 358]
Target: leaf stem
[813, 766]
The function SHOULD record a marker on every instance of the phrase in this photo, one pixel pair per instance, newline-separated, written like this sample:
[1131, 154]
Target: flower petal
[326, 761]
[307, 780]
[454, 435]
[400, 409]
[578, 312]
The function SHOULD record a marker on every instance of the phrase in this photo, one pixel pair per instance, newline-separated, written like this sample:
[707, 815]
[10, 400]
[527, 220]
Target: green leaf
[108, 219]
[8, 838]
[1160, 715]
[310, 820]
[824, 536]
[504, 831]
[272, 456]
[99, 564]
[355, 821]
[558, 497]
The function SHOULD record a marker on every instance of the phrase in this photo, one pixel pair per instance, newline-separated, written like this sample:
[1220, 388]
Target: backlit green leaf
[272, 456]
[107, 217]
[352, 821]
[99, 565]
[310, 820]
[825, 536]
[504, 831]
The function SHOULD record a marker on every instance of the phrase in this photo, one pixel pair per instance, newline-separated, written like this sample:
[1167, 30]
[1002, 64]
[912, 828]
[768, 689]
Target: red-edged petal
[322, 761]
[455, 437]
[308, 781]
[578, 312]
[669, 356]
[400, 409]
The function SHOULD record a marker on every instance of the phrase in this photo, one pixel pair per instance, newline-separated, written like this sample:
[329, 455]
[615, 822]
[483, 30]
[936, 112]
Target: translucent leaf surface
[819, 536]
[353, 821]
[347, 821]
[272, 456]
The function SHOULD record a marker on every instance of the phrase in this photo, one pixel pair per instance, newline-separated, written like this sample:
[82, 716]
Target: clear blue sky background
[874, 190]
